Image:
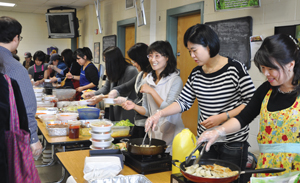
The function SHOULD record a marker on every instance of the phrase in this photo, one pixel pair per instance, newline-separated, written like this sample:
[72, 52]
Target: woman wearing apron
[89, 75]
[277, 103]
[37, 71]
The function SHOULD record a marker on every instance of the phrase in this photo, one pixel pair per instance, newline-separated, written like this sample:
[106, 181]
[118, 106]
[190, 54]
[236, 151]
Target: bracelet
[228, 117]
[73, 77]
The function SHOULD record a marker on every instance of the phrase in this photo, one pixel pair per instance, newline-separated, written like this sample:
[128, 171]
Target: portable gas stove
[148, 164]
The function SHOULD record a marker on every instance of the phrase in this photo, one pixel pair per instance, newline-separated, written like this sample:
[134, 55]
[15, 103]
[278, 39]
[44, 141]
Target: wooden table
[62, 140]
[73, 162]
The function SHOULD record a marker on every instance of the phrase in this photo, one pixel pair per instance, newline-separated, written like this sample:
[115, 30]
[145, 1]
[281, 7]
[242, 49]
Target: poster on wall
[97, 53]
[235, 4]
[297, 34]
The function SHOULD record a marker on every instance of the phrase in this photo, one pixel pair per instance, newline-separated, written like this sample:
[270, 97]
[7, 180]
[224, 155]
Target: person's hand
[146, 89]
[36, 148]
[211, 136]
[128, 105]
[38, 82]
[212, 121]
[88, 95]
[79, 89]
[113, 94]
[53, 79]
[96, 99]
[69, 75]
[120, 100]
[152, 121]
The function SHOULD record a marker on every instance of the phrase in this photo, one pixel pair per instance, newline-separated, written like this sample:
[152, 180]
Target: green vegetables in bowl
[124, 123]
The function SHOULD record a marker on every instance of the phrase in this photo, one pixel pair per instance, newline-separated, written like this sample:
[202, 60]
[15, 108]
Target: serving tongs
[190, 156]
[143, 142]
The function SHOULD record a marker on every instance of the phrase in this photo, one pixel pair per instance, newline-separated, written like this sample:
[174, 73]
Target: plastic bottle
[183, 144]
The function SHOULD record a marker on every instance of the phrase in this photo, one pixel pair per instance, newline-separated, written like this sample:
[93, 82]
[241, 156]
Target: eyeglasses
[157, 56]
[20, 37]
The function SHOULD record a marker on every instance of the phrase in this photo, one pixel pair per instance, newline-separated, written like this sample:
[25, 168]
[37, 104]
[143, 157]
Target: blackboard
[109, 41]
[234, 35]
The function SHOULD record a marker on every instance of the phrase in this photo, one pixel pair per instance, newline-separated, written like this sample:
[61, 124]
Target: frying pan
[160, 146]
[230, 165]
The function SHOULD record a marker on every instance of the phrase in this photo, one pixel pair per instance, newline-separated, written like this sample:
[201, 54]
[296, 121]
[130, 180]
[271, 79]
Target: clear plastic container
[74, 127]
[57, 128]
[120, 131]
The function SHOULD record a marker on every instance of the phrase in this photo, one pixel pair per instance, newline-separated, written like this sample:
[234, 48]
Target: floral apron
[279, 138]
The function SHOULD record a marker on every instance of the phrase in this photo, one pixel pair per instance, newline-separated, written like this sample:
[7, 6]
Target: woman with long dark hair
[118, 71]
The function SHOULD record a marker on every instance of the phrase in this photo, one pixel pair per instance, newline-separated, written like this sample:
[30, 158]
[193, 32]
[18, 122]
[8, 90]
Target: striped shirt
[217, 93]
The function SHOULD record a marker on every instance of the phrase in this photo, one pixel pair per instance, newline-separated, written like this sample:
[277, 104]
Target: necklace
[288, 92]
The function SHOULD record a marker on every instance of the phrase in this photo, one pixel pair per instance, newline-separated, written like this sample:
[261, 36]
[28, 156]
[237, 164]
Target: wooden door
[129, 38]
[186, 64]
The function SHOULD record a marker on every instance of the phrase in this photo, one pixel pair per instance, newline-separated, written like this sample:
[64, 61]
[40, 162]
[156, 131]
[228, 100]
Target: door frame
[172, 16]
[121, 25]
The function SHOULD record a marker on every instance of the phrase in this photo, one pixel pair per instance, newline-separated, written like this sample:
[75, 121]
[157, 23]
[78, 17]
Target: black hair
[67, 54]
[47, 58]
[9, 28]
[115, 63]
[282, 49]
[40, 55]
[85, 51]
[138, 53]
[165, 49]
[202, 34]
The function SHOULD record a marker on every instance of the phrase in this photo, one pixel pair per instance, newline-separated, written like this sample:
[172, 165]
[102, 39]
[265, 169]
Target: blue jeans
[234, 152]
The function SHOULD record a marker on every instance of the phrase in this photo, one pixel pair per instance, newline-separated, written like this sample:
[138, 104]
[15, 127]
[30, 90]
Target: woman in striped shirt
[222, 87]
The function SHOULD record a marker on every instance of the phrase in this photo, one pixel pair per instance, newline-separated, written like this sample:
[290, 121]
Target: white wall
[35, 34]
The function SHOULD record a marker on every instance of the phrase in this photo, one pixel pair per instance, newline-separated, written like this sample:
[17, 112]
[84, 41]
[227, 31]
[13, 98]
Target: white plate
[109, 101]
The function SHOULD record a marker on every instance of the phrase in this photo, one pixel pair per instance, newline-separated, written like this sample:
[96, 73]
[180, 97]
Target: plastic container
[102, 125]
[109, 101]
[65, 94]
[100, 135]
[183, 144]
[74, 127]
[57, 128]
[47, 118]
[89, 113]
[38, 89]
[120, 131]
[101, 143]
[38, 94]
[49, 97]
[67, 116]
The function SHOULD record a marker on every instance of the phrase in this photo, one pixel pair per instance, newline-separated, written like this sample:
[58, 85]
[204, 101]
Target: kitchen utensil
[63, 82]
[133, 146]
[143, 143]
[230, 165]
[150, 137]
[190, 156]
[201, 153]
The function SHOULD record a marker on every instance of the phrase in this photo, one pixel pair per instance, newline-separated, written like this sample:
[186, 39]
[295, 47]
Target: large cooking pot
[133, 146]
[230, 165]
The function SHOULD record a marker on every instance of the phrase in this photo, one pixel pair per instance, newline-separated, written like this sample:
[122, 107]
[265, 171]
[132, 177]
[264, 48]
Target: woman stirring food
[277, 102]
[222, 87]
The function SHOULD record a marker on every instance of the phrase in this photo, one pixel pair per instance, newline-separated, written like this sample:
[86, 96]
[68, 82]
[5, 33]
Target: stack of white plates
[47, 156]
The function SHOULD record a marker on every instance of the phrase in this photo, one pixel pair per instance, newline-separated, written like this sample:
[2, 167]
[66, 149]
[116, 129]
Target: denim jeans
[234, 152]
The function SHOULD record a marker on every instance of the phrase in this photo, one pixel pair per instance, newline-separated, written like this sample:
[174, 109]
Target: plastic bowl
[38, 89]
[120, 131]
[109, 101]
[101, 126]
[67, 116]
[100, 136]
[89, 113]
[101, 143]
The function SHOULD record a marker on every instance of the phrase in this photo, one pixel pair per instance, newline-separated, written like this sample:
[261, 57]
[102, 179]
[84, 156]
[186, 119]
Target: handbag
[21, 167]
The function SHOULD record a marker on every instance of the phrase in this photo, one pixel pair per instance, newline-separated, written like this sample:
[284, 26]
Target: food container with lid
[101, 143]
[120, 131]
[47, 118]
[89, 113]
[100, 135]
[65, 94]
[67, 116]
[102, 125]
[74, 127]
[57, 128]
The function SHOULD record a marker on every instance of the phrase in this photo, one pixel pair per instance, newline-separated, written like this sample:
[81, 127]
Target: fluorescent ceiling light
[7, 4]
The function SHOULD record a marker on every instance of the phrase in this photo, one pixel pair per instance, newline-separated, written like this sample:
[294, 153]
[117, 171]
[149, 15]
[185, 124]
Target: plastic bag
[292, 177]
